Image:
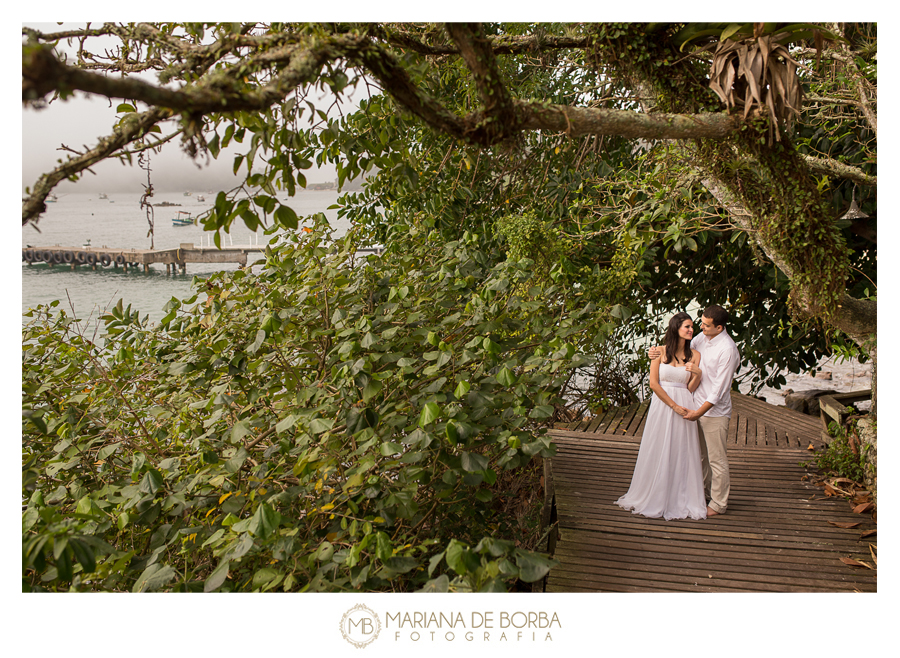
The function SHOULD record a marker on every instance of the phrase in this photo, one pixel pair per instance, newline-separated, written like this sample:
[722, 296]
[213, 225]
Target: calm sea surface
[119, 222]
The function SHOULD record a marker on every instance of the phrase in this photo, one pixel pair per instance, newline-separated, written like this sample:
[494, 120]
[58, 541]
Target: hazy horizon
[80, 121]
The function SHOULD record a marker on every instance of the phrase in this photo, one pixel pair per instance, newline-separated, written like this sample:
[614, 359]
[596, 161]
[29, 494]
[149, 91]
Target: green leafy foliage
[842, 457]
[329, 424]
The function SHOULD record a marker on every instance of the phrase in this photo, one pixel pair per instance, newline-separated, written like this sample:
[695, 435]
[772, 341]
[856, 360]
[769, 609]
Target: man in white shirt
[719, 361]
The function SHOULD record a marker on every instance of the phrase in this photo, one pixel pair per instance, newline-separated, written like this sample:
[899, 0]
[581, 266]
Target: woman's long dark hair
[672, 338]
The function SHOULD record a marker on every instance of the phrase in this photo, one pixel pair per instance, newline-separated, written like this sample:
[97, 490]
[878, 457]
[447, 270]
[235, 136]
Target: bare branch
[48, 37]
[125, 133]
[859, 80]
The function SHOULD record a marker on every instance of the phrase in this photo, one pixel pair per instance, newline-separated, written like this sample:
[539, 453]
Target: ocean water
[119, 222]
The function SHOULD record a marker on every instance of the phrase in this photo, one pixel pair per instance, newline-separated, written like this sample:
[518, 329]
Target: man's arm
[694, 414]
[720, 382]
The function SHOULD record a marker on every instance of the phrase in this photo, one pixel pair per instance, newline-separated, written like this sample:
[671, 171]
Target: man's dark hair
[717, 314]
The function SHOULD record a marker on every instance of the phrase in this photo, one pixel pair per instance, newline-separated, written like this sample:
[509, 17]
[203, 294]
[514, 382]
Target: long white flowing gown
[668, 479]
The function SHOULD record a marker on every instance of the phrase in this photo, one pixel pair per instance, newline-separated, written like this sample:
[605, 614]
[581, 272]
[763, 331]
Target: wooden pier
[780, 534]
[104, 257]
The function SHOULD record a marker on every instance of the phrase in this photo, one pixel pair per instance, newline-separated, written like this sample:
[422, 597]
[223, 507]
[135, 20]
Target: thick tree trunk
[855, 317]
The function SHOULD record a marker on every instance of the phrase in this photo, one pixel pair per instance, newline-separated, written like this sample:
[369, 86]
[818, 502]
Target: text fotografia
[480, 626]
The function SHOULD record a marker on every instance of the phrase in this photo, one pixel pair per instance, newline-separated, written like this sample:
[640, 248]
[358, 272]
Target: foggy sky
[79, 122]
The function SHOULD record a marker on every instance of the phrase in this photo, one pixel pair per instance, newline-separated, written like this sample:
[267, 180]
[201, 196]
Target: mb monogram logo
[360, 626]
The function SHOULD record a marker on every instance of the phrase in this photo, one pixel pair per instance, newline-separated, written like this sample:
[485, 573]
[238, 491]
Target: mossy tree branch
[502, 119]
[838, 169]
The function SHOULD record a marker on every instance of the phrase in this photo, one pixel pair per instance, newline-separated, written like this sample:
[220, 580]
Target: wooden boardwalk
[104, 257]
[778, 535]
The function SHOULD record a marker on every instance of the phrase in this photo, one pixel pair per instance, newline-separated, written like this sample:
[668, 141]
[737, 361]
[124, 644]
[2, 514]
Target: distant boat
[51, 198]
[182, 218]
[201, 198]
[187, 194]
[103, 196]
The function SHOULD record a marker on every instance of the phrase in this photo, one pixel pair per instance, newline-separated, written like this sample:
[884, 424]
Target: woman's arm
[658, 389]
[696, 373]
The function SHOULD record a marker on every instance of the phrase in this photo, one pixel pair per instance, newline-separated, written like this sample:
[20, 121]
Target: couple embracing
[682, 461]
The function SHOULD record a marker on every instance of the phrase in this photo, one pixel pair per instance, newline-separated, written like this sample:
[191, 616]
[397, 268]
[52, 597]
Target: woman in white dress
[668, 480]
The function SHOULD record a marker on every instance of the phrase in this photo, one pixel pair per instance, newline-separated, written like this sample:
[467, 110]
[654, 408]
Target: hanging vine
[144, 163]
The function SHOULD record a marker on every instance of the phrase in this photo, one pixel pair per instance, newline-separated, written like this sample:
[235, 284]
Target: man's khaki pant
[716, 478]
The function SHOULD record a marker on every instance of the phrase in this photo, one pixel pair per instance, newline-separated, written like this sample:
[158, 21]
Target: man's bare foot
[711, 512]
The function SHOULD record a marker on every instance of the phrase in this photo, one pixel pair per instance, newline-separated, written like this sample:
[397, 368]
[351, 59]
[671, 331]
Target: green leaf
[483, 495]
[151, 482]
[264, 522]
[368, 340]
[319, 425]
[35, 419]
[461, 559]
[473, 462]
[217, 577]
[430, 412]
[729, 31]
[452, 432]
[239, 430]
[462, 388]
[266, 578]
[505, 377]
[234, 464]
[383, 548]
[541, 411]
[64, 562]
[390, 448]
[285, 424]
[434, 561]
[125, 107]
[84, 554]
[106, 451]
[286, 216]
[154, 577]
[213, 145]
[533, 566]
[240, 547]
[372, 389]
[439, 584]
[325, 551]
[401, 564]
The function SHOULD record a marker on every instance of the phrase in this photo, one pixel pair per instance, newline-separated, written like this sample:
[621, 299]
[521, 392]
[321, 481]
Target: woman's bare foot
[711, 512]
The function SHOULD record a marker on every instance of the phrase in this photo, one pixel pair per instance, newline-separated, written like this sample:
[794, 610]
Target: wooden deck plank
[763, 576]
[637, 420]
[594, 424]
[613, 425]
[776, 536]
[594, 543]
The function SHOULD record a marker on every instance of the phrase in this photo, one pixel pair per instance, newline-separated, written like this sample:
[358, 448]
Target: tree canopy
[542, 192]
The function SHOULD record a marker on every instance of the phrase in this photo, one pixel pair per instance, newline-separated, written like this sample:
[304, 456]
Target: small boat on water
[51, 198]
[182, 218]
[103, 195]
[187, 194]
[201, 198]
